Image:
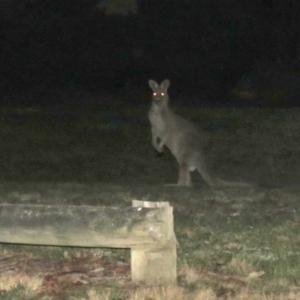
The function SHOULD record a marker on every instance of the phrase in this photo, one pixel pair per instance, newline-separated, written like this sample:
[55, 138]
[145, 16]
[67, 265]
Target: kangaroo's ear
[165, 84]
[153, 84]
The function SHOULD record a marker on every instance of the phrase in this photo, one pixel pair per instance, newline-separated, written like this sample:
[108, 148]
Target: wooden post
[156, 265]
[146, 228]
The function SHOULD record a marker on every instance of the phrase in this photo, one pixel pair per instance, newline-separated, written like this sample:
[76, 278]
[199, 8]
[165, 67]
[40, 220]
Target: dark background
[217, 52]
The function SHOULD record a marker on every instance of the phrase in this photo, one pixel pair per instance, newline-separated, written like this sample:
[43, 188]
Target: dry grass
[31, 284]
[177, 293]
[156, 293]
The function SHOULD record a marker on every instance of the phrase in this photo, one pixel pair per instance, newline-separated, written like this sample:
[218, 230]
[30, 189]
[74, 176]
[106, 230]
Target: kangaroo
[181, 137]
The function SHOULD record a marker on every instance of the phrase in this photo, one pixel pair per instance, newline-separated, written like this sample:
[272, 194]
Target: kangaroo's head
[160, 94]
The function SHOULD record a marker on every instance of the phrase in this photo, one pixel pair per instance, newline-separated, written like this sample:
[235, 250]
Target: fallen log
[146, 228]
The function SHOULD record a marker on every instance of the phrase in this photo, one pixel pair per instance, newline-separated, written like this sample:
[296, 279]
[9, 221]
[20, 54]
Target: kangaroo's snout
[158, 96]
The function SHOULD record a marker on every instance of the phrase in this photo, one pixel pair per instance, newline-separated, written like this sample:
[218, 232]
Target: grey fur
[181, 137]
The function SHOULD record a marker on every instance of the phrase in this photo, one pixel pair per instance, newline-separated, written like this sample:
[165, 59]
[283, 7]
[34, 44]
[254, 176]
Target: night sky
[215, 52]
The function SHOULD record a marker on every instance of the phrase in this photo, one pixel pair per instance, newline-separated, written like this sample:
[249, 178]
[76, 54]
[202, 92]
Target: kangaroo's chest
[157, 121]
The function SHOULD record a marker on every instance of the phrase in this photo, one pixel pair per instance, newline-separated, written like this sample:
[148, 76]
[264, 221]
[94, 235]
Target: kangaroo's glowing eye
[162, 94]
[154, 94]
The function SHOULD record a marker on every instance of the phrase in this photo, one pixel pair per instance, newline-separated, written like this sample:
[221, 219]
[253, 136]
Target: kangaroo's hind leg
[184, 175]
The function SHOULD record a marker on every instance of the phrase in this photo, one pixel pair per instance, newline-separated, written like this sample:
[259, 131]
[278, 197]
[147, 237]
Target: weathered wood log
[156, 265]
[145, 228]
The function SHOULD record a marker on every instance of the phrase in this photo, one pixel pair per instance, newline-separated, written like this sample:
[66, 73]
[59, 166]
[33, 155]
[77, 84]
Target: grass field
[233, 243]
